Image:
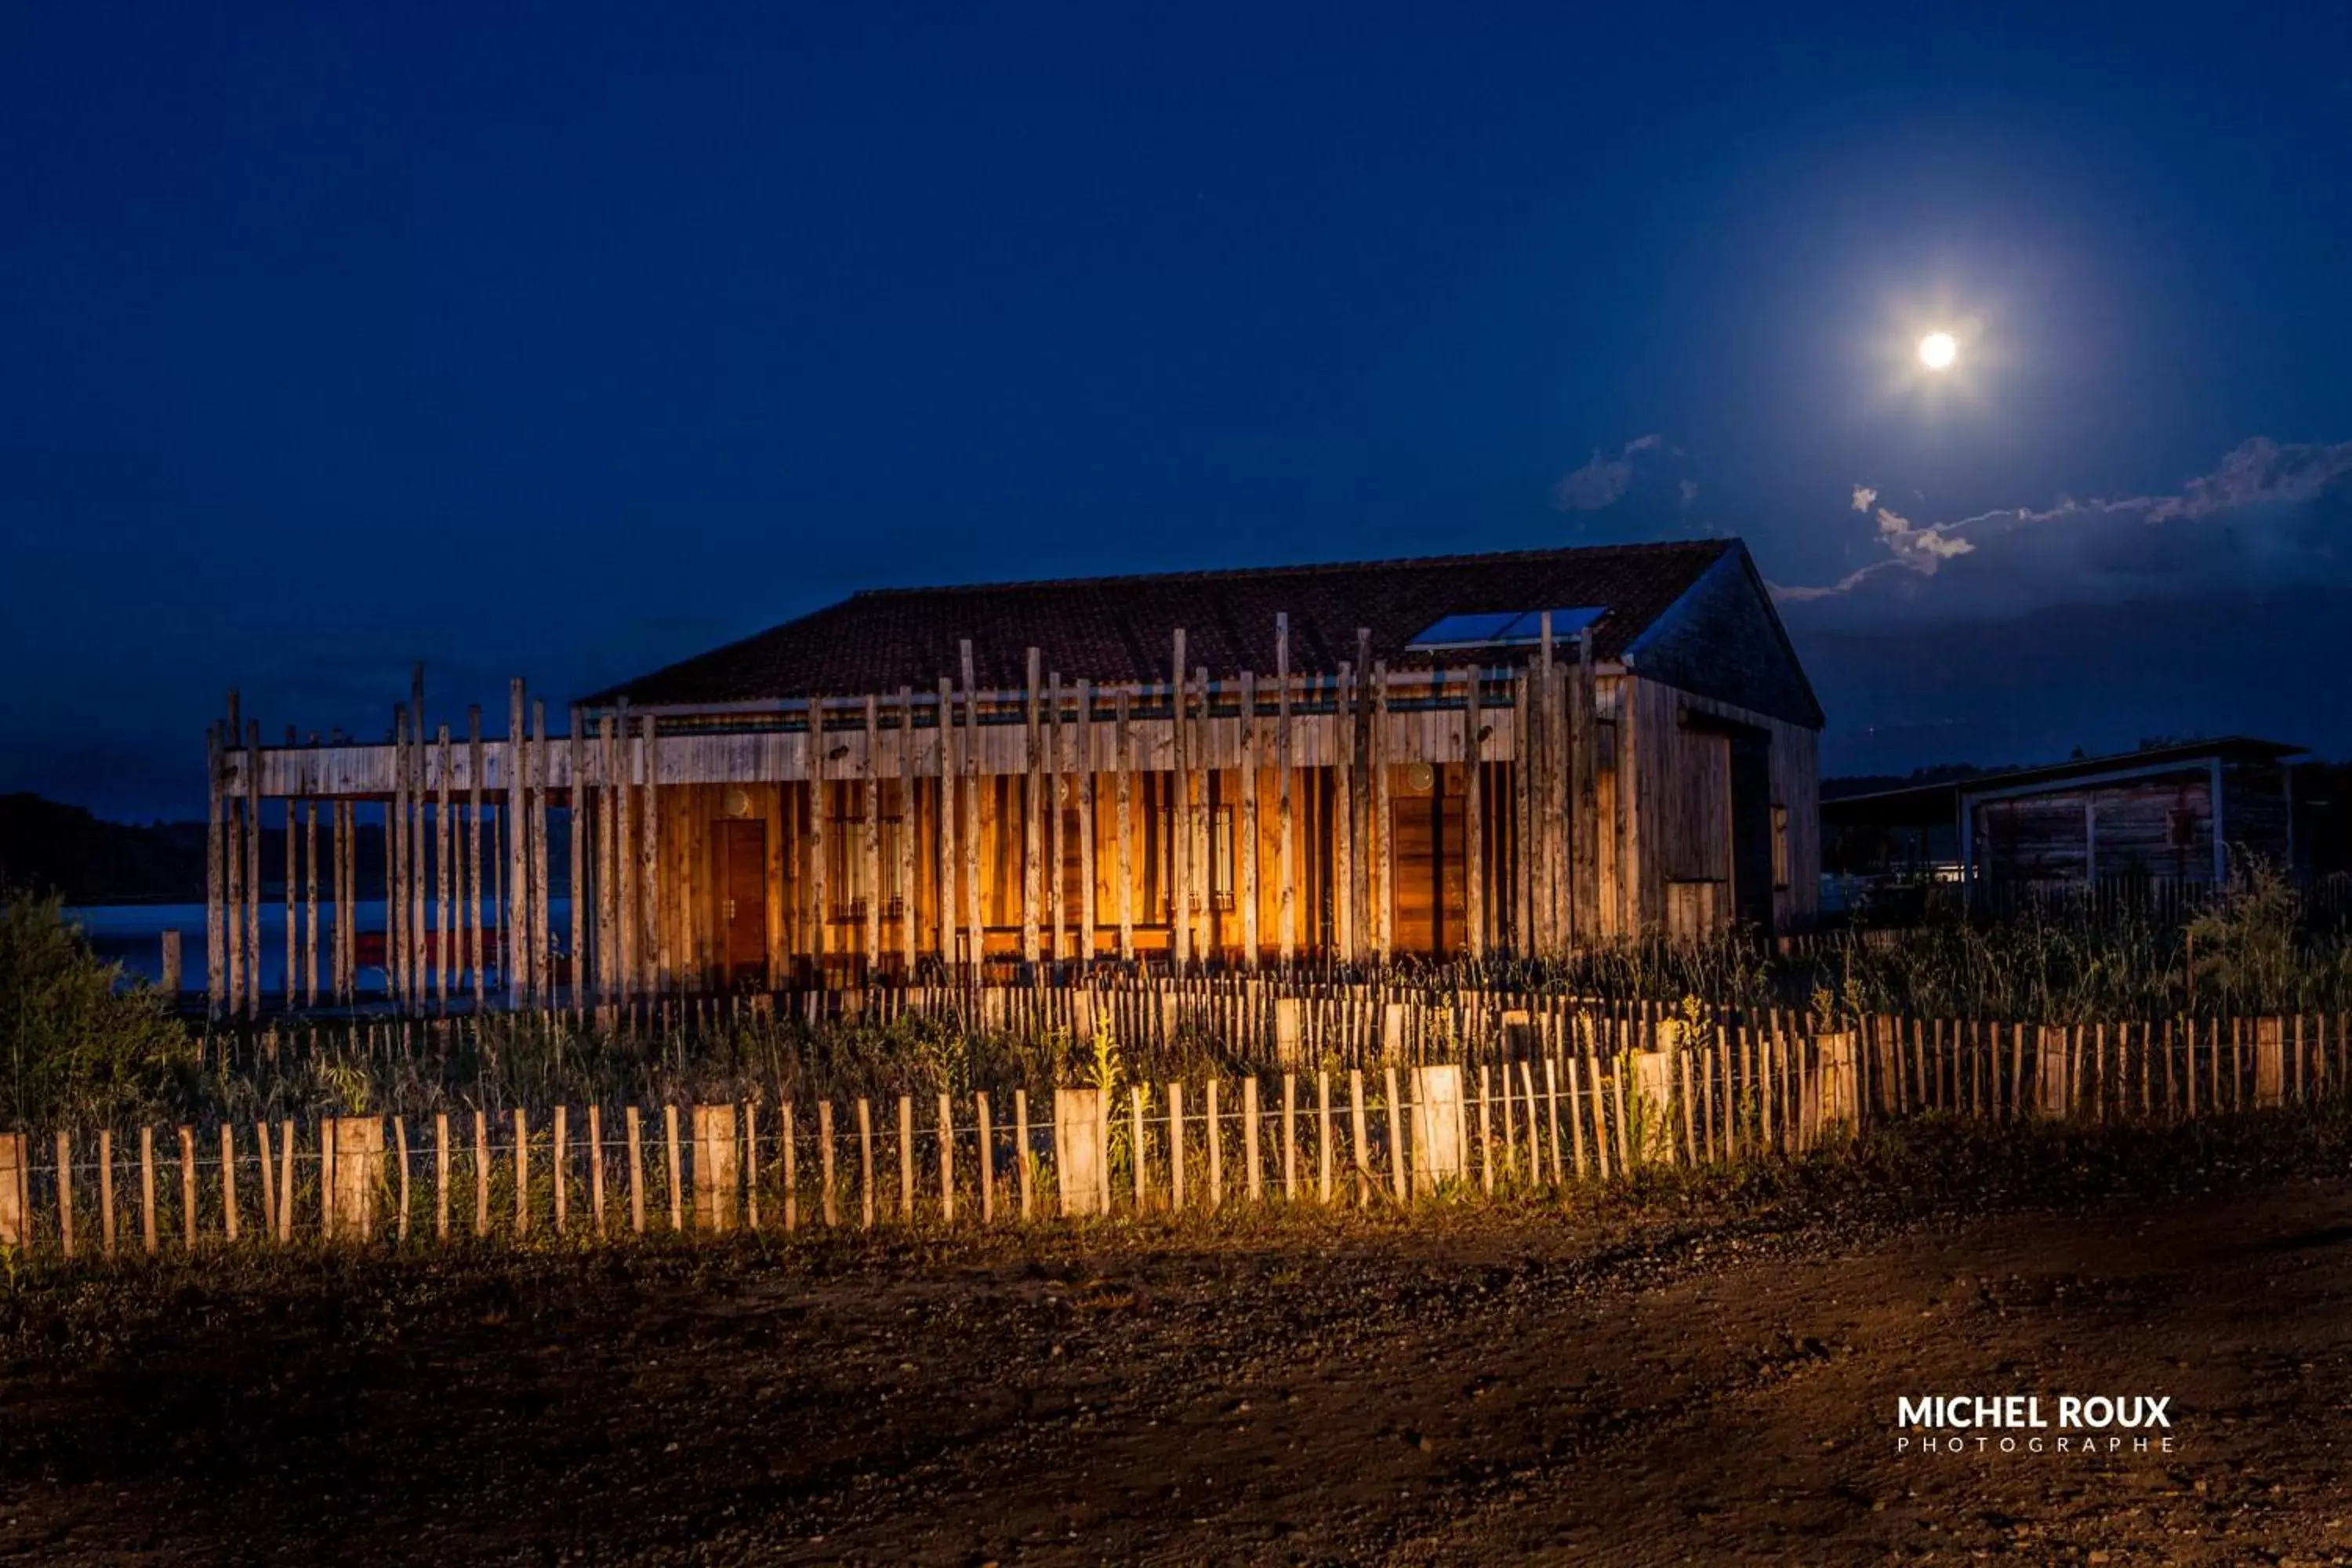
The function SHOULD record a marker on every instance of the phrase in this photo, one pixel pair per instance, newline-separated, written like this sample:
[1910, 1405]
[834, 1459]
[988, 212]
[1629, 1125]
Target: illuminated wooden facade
[1335, 787]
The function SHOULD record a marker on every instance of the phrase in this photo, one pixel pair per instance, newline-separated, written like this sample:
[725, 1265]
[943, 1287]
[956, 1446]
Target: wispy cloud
[2271, 514]
[1603, 481]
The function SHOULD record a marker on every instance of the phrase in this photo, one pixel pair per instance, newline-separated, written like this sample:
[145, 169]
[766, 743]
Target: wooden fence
[1553, 1109]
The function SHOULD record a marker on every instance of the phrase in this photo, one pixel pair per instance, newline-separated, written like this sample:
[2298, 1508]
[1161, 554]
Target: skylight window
[1502, 628]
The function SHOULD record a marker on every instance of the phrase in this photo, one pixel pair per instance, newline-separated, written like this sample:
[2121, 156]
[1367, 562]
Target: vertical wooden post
[944, 828]
[215, 881]
[228, 1182]
[987, 1157]
[870, 779]
[1122, 767]
[947, 1158]
[1359, 1159]
[187, 1188]
[253, 868]
[1054, 910]
[635, 1127]
[1176, 1146]
[440, 931]
[1396, 1135]
[1343, 815]
[1382, 835]
[441, 1175]
[1135, 1112]
[147, 1185]
[973, 922]
[481, 1174]
[310, 908]
[556, 1165]
[1247, 820]
[865, 1162]
[596, 1165]
[576, 753]
[1216, 1150]
[1030, 816]
[1251, 1185]
[819, 832]
[1473, 817]
[1286, 763]
[905, 1158]
[413, 867]
[909, 824]
[477, 960]
[509, 915]
[65, 1193]
[1290, 1136]
[523, 1170]
[1179, 914]
[606, 880]
[1089, 858]
[1021, 1147]
[675, 1170]
[645, 915]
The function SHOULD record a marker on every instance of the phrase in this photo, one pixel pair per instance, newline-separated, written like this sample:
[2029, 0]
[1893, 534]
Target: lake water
[132, 936]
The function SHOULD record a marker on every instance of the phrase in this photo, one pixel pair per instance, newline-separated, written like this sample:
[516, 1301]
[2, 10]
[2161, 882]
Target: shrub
[75, 1041]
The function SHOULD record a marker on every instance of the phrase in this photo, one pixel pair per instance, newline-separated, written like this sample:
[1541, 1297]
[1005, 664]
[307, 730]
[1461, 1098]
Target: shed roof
[1115, 630]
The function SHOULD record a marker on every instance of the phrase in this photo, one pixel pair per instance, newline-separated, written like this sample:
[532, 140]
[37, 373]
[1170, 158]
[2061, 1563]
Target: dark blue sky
[567, 340]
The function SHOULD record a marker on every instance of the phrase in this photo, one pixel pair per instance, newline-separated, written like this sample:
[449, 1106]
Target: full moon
[1936, 351]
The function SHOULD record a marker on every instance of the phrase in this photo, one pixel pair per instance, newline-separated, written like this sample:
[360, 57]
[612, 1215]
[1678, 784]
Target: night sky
[566, 341]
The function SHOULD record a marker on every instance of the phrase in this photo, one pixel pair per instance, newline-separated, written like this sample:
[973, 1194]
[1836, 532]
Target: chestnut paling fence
[1566, 1098]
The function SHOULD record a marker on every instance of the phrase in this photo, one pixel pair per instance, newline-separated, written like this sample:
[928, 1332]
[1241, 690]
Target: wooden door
[741, 888]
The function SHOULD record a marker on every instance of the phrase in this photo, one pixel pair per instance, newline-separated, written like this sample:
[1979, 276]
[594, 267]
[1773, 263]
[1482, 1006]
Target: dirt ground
[1667, 1384]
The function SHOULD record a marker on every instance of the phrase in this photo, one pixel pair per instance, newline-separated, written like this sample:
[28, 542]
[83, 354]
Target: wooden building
[1454, 756]
[2171, 814]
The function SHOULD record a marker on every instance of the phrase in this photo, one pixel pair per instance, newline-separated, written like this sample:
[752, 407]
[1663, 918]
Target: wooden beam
[1286, 766]
[1056, 911]
[252, 867]
[1032, 813]
[974, 921]
[606, 878]
[413, 826]
[624, 857]
[476, 959]
[1195, 785]
[540, 976]
[215, 878]
[441, 945]
[1122, 772]
[1249, 775]
[1380, 841]
[1344, 817]
[1473, 817]
[909, 824]
[1584, 848]
[575, 746]
[869, 775]
[1088, 858]
[1181, 836]
[944, 827]
[509, 915]
[293, 950]
[820, 893]
[653, 957]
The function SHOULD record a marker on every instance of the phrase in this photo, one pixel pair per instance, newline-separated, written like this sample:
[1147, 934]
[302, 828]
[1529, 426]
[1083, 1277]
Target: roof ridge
[1307, 568]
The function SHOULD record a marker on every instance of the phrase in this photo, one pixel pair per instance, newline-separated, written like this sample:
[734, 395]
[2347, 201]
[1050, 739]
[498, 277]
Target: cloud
[2271, 516]
[1603, 481]
[1644, 492]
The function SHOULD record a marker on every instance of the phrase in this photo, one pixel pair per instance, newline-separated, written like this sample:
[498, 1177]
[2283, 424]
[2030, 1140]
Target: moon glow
[1936, 351]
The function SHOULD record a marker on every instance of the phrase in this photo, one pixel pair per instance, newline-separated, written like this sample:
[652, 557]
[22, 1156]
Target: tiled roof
[1112, 630]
